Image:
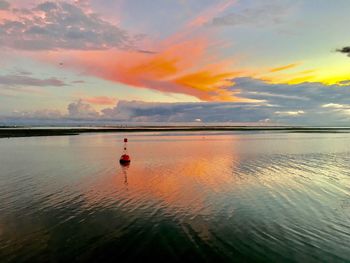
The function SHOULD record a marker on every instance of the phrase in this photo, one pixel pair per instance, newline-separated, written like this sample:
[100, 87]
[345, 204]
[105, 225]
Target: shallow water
[213, 196]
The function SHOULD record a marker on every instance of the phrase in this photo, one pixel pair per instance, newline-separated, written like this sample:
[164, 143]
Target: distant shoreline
[37, 131]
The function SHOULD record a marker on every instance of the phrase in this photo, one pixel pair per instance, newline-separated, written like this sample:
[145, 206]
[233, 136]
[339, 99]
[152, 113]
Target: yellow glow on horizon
[328, 71]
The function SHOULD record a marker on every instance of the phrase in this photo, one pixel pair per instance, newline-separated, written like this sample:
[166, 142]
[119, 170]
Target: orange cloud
[183, 67]
[210, 83]
[285, 67]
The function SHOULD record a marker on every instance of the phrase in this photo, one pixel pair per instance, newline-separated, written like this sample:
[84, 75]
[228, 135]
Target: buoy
[125, 158]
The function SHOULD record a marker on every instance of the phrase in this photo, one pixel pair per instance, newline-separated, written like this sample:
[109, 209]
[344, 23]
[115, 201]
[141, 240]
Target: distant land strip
[37, 131]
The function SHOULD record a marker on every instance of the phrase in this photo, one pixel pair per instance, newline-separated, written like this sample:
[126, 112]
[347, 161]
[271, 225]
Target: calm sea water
[262, 197]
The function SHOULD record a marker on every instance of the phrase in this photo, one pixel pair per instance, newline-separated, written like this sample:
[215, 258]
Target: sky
[268, 62]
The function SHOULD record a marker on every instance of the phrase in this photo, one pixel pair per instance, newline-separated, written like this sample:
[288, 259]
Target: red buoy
[125, 158]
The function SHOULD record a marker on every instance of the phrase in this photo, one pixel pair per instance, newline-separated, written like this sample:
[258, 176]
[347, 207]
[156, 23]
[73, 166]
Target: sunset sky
[240, 61]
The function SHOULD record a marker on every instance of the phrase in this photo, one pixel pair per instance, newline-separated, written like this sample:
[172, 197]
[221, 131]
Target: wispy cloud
[208, 14]
[259, 14]
[25, 80]
[285, 67]
[78, 81]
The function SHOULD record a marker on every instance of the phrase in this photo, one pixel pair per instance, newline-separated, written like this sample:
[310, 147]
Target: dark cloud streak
[344, 50]
[25, 80]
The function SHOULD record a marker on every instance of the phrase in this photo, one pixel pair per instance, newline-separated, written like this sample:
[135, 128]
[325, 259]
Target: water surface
[209, 196]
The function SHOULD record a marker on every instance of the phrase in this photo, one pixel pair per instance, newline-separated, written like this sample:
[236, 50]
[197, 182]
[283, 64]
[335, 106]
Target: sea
[185, 197]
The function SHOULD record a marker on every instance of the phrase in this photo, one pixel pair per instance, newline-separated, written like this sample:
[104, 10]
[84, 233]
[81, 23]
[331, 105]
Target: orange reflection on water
[172, 174]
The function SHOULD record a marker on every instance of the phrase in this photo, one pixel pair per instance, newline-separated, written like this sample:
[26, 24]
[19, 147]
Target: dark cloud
[4, 5]
[25, 72]
[302, 104]
[146, 51]
[62, 25]
[184, 112]
[26, 80]
[78, 81]
[304, 95]
[278, 103]
[47, 6]
[344, 50]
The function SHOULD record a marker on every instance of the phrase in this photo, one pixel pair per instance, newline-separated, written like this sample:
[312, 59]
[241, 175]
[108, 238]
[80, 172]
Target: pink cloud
[100, 100]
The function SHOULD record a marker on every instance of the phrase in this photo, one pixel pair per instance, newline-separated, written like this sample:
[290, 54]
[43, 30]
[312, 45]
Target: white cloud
[290, 113]
[335, 106]
[338, 108]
